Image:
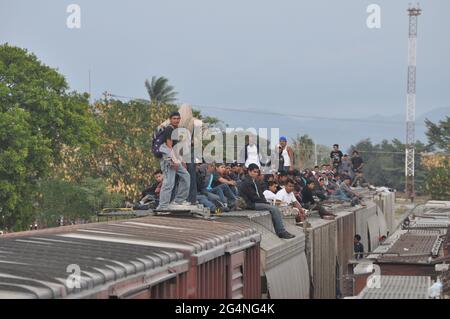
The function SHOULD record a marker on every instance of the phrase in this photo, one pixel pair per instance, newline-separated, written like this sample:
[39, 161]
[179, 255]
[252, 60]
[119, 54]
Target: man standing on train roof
[286, 156]
[171, 166]
[336, 157]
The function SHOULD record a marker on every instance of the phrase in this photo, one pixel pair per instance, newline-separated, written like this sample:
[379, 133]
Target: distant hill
[326, 131]
[376, 127]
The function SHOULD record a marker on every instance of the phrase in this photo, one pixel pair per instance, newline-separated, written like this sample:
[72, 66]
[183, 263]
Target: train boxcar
[284, 268]
[213, 260]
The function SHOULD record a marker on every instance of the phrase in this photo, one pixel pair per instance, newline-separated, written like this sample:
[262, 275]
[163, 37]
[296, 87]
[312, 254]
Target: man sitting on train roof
[289, 204]
[345, 193]
[252, 192]
[217, 184]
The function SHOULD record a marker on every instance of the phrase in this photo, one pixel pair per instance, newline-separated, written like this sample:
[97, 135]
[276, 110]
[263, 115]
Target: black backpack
[157, 141]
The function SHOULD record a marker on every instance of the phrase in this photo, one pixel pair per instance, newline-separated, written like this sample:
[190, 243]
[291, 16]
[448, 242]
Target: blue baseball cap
[283, 138]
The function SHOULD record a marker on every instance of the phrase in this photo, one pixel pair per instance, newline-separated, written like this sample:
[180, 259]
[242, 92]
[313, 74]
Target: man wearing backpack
[171, 165]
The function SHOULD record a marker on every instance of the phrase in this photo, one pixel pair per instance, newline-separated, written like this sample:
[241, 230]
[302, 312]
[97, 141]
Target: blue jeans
[211, 197]
[225, 194]
[168, 184]
[203, 199]
[341, 195]
[235, 191]
[276, 216]
[193, 186]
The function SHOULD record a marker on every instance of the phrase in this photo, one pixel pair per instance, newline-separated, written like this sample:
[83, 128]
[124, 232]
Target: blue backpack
[157, 141]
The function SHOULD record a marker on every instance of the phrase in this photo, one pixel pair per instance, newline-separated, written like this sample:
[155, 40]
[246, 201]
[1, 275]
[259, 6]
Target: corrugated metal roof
[386, 204]
[274, 249]
[382, 223]
[362, 217]
[374, 230]
[387, 244]
[321, 254]
[429, 222]
[33, 264]
[261, 219]
[410, 247]
[436, 212]
[438, 204]
[278, 256]
[293, 286]
[398, 287]
[439, 225]
[36, 266]
[345, 232]
[191, 235]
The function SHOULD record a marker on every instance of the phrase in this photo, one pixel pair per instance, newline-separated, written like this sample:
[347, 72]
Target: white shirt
[285, 198]
[287, 158]
[252, 155]
[270, 197]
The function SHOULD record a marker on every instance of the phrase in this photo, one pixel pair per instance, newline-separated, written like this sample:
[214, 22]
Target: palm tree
[160, 91]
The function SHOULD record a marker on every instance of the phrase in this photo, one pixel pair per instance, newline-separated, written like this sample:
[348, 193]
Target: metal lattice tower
[414, 13]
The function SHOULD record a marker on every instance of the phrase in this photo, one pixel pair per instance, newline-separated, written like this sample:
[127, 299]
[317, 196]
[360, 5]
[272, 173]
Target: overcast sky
[315, 57]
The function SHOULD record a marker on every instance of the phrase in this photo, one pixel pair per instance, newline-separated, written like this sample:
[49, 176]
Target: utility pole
[414, 13]
[315, 154]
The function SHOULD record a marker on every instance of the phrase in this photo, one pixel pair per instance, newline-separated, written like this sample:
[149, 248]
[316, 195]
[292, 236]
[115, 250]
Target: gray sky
[307, 57]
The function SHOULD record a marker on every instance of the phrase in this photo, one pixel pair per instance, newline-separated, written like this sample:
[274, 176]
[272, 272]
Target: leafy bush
[73, 200]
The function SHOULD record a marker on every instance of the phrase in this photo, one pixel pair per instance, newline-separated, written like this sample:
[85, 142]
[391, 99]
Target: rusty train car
[152, 257]
[236, 256]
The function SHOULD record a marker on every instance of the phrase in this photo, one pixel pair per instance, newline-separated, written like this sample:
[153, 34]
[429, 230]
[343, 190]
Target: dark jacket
[359, 250]
[307, 196]
[153, 189]
[235, 177]
[200, 181]
[248, 192]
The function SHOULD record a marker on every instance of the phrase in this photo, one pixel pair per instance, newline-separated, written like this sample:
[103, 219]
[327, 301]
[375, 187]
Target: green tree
[439, 134]
[210, 120]
[160, 91]
[384, 163]
[438, 163]
[59, 116]
[437, 183]
[124, 158]
[323, 154]
[40, 118]
[73, 200]
[23, 161]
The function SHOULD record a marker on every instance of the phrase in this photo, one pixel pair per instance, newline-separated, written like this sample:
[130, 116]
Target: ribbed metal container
[440, 225]
[412, 252]
[220, 260]
[37, 267]
[367, 226]
[437, 213]
[345, 233]
[386, 203]
[438, 204]
[398, 287]
[321, 254]
[283, 262]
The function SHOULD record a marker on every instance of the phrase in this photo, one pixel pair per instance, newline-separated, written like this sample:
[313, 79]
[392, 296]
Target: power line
[253, 111]
[277, 114]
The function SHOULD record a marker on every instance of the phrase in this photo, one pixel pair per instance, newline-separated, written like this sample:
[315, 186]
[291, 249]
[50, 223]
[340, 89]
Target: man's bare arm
[225, 181]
